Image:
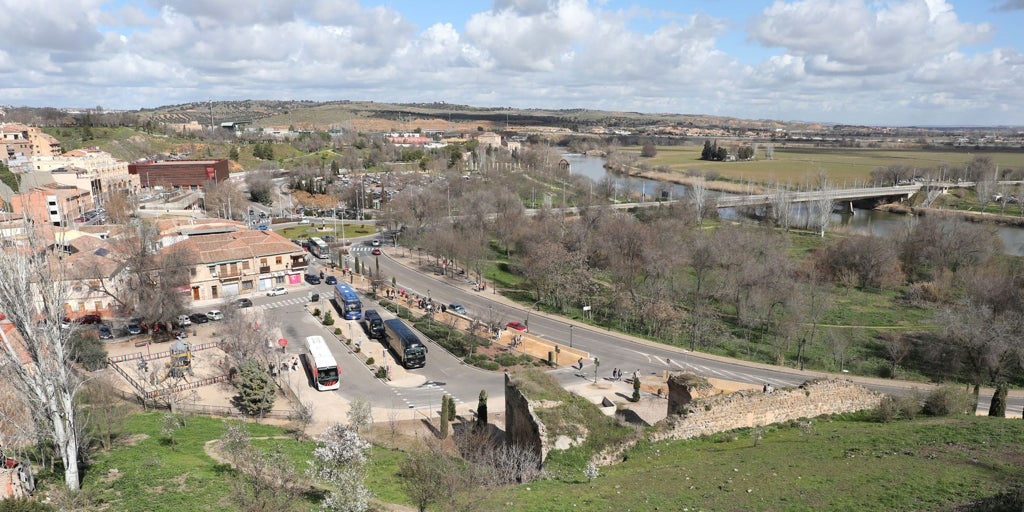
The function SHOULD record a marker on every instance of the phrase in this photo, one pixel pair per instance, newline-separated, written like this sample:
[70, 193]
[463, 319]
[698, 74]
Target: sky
[868, 62]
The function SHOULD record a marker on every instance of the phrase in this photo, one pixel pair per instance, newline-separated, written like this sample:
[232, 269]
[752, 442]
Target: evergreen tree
[636, 389]
[481, 409]
[451, 408]
[998, 407]
[233, 154]
[444, 417]
[706, 153]
[256, 391]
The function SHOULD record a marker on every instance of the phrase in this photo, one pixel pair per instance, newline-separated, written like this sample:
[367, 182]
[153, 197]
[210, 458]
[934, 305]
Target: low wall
[745, 409]
[748, 409]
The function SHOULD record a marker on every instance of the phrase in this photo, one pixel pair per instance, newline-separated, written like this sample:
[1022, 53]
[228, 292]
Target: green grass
[843, 464]
[153, 476]
[796, 164]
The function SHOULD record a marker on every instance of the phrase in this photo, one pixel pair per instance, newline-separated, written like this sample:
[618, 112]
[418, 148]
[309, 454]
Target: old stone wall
[522, 427]
[745, 409]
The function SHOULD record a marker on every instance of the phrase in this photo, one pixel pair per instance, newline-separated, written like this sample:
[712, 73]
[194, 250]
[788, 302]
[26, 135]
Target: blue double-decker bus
[348, 301]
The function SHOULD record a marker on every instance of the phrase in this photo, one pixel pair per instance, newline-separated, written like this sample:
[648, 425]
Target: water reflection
[869, 222]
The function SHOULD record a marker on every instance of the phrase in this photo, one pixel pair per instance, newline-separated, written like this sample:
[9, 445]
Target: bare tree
[699, 196]
[36, 355]
[781, 203]
[819, 211]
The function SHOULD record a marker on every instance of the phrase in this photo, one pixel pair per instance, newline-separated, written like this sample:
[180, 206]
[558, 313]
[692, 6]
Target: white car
[215, 314]
[183, 320]
[280, 290]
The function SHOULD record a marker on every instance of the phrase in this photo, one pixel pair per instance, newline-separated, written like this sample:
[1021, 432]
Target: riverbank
[993, 218]
[730, 187]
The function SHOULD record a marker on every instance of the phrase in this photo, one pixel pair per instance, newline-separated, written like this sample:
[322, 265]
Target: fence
[160, 355]
[229, 412]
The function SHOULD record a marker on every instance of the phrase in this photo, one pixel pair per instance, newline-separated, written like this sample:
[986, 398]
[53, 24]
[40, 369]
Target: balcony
[264, 269]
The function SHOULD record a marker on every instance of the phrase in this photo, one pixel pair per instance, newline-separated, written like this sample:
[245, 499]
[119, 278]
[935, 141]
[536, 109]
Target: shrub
[382, 373]
[901, 407]
[369, 361]
[328, 318]
[947, 400]
[88, 350]
[337, 331]
[316, 312]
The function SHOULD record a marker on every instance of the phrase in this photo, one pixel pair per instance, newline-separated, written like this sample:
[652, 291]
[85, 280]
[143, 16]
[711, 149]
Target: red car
[375, 252]
[519, 326]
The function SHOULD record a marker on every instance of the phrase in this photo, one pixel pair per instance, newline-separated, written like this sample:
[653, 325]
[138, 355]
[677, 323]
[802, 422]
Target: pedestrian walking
[581, 363]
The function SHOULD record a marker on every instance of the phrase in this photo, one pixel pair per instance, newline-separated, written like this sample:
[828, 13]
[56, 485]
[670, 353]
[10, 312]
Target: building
[89, 169]
[53, 203]
[233, 260]
[192, 174]
[27, 140]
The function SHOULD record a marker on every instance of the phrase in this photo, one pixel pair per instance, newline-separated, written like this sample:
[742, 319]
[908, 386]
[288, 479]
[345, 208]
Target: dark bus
[408, 349]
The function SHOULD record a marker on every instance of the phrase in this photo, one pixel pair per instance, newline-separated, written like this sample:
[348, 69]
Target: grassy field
[839, 464]
[797, 164]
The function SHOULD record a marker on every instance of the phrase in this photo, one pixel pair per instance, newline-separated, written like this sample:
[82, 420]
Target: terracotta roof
[239, 245]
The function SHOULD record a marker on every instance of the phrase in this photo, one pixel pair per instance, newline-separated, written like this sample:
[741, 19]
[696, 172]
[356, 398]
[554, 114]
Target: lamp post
[570, 335]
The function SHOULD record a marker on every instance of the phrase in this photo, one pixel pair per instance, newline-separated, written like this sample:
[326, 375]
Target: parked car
[519, 326]
[90, 319]
[134, 327]
[199, 318]
[104, 332]
[312, 279]
[183, 321]
[331, 280]
[215, 314]
[243, 303]
[279, 290]
[457, 308]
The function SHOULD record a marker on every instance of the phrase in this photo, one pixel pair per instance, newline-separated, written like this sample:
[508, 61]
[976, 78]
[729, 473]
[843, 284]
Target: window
[81, 307]
[247, 285]
[278, 260]
[212, 269]
[98, 305]
[263, 262]
[279, 280]
[245, 265]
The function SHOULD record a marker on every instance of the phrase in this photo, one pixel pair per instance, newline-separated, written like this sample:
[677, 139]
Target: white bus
[322, 366]
[318, 248]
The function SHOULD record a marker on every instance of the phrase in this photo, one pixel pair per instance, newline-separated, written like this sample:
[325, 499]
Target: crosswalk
[425, 396]
[291, 301]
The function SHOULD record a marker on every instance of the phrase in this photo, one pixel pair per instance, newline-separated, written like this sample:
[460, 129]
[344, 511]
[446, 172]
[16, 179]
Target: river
[863, 221]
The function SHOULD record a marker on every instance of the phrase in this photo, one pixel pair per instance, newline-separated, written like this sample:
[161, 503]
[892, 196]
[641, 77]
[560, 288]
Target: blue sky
[874, 62]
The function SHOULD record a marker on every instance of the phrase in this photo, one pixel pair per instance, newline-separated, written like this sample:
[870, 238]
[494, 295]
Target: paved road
[443, 374]
[612, 349]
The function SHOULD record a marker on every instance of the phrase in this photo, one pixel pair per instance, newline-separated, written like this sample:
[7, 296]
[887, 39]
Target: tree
[256, 390]
[998, 406]
[170, 424]
[339, 460]
[360, 414]
[429, 476]
[591, 471]
[445, 405]
[481, 409]
[233, 153]
[648, 150]
[37, 352]
[636, 388]
[88, 350]
[261, 187]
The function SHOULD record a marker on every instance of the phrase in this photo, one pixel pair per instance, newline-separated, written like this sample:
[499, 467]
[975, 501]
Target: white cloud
[846, 60]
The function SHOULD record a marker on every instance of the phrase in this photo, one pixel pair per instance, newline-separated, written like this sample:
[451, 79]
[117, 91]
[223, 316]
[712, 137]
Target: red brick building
[179, 173]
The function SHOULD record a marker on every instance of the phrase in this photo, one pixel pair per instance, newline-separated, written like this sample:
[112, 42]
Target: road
[443, 374]
[614, 350]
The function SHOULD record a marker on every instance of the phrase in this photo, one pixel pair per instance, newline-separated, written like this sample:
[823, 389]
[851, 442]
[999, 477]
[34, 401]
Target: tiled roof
[239, 245]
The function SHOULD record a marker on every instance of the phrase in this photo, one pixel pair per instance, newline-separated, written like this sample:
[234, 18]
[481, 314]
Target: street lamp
[570, 335]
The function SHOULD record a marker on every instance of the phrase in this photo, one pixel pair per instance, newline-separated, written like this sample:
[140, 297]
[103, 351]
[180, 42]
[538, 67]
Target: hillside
[356, 114]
